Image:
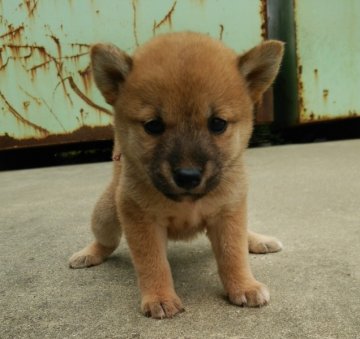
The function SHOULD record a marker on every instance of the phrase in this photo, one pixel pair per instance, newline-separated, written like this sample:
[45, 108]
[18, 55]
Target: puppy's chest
[185, 222]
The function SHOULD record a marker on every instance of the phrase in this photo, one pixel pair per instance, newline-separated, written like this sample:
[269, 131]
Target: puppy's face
[183, 107]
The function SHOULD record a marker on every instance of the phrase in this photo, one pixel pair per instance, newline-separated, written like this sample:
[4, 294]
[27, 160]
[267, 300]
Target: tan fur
[186, 78]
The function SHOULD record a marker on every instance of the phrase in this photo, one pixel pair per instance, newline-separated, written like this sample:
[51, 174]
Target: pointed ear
[260, 65]
[110, 67]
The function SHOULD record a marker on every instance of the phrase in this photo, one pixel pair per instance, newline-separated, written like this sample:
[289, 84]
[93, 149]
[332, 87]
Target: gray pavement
[306, 195]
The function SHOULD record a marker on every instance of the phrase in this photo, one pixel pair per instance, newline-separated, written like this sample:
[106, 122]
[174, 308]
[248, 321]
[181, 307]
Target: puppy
[183, 117]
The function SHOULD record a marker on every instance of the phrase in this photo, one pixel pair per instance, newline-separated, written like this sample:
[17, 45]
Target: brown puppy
[183, 118]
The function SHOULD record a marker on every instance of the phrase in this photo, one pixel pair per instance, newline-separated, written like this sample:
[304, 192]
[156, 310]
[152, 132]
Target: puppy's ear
[110, 67]
[260, 65]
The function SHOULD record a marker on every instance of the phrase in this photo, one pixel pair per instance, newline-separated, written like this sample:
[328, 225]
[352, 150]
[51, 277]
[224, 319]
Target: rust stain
[59, 66]
[300, 95]
[321, 118]
[26, 105]
[82, 117]
[31, 6]
[84, 133]
[21, 119]
[221, 31]
[300, 87]
[34, 59]
[43, 53]
[77, 90]
[37, 100]
[34, 68]
[75, 57]
[25, 57]
[352, 114]
[16, 51]
[6, 63]
[86, 77]
[80, 46]
[263, 14]
[316, 75]
[13, 33]
[166, 19]
[134, 6]
[58, 45]
[43, 101]
[325, 94]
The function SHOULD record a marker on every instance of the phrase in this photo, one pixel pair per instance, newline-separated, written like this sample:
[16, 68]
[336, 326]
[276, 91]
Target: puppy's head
[183, 107]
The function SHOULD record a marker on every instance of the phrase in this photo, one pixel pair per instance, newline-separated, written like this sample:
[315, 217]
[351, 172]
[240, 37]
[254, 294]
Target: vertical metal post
[281, 26]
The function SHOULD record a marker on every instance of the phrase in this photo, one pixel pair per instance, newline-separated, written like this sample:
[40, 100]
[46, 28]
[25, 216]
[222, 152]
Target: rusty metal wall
[328, 59]
[47, 95]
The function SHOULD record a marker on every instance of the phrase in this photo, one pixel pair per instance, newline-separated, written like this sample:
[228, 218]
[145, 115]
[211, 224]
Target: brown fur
[186, 79]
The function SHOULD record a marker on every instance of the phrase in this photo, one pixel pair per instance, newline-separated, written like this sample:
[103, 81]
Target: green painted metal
[46, 90]
[328, 52]
[328, 58]
[320, 75]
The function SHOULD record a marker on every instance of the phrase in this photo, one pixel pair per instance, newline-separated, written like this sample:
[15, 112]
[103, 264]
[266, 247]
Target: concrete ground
[306, 195]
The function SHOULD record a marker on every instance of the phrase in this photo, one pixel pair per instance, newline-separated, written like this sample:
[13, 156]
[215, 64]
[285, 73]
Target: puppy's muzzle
[187, 178]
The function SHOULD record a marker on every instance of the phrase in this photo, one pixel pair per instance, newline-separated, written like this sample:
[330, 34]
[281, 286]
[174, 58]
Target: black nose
[187, 178]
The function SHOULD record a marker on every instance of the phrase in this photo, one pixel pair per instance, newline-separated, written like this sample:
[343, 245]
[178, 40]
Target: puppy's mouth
[180, 197]
[186, 189]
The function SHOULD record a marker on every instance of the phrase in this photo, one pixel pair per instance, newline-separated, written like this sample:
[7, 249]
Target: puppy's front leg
[106, 228]
[230, 243]
[147, 242]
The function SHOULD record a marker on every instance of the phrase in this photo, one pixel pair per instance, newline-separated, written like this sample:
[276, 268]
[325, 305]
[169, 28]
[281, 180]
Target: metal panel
[328, 54]
[46, 92]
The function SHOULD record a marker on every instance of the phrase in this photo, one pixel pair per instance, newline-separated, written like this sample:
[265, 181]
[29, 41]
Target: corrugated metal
[46, 92]
[328, 58]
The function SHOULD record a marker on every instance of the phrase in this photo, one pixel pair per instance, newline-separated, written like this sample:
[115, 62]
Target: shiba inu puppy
[183, 108]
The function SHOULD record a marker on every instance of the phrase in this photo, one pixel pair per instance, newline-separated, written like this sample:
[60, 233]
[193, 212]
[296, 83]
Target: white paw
[84, 258]
[262, 244]
[254, 295]
[161, 307]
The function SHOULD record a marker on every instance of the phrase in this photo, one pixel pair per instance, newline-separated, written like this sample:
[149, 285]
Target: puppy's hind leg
[107, 231]
[262, 244]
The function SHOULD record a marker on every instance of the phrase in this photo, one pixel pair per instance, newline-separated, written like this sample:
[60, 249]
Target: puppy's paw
[161, 307]
[253, 295]
[262, 244]
[84, 259]
[91, 255]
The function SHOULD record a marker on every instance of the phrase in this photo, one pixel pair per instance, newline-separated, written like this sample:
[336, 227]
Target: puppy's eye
[217, 125]
[154, 127]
